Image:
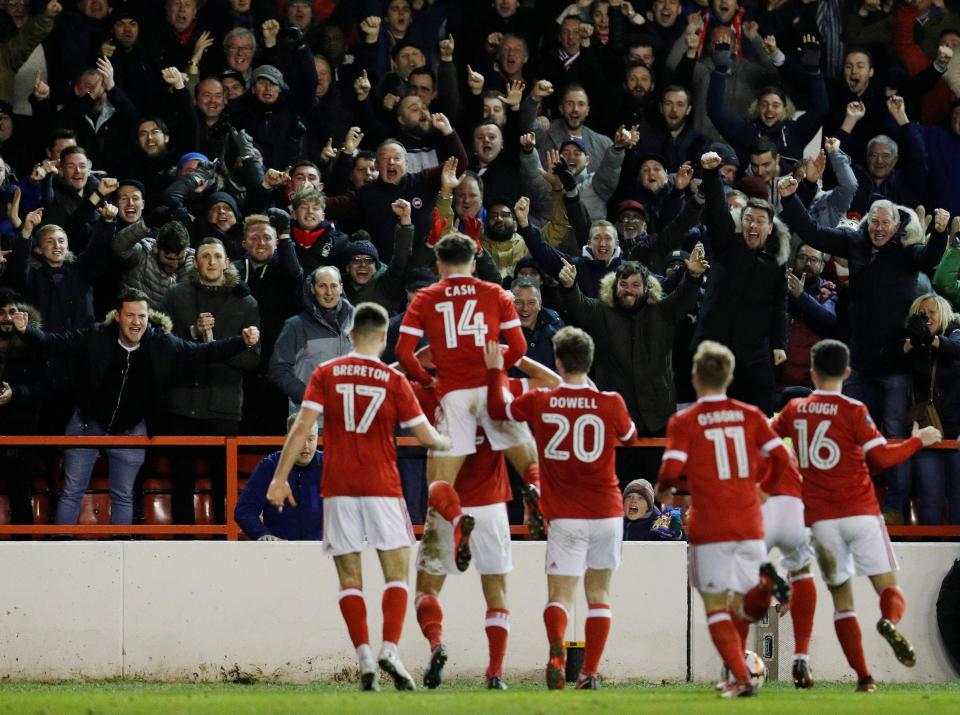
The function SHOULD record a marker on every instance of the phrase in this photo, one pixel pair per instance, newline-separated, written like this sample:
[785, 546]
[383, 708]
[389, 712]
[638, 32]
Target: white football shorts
[462, 411]
[351, 524]
[784, 528]
[575, 545]
[726, 565]
[489, 543]
[853, 546]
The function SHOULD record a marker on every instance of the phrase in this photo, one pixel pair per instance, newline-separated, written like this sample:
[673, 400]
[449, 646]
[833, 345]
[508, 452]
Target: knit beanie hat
[641, 487]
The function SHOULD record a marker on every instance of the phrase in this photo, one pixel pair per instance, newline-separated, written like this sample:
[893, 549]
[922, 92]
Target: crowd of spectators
[249, 170]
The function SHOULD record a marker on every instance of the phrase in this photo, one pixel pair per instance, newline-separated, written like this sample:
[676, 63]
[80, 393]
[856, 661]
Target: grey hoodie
[309, 338]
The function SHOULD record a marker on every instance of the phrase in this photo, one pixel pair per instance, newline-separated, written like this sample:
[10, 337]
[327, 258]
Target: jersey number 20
[580, 426]
[470, 323]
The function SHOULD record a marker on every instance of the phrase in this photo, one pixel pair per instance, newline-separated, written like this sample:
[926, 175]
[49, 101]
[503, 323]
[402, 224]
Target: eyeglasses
[149, 133]
[362, 261]
[809, 259]
[505, 213]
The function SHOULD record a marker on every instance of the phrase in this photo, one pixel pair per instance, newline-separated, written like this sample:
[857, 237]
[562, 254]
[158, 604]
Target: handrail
[232, 445]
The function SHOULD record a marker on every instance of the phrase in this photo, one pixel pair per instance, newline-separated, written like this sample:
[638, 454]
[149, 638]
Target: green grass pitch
[464, 697]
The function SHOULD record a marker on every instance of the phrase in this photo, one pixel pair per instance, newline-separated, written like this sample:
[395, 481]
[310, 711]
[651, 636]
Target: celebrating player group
[559, 432]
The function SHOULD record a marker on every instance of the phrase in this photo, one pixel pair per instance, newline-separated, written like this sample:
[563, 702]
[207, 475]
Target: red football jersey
[721, 445]
[483, 478]
[361, 399]
[831, 435]
[459, 315]
[577, 429]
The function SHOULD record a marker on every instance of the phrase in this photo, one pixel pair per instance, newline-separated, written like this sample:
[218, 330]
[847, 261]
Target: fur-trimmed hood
[778, 243]
[157, 320]
[231, 277]
[34, 317]
[910, 231]
[654, 292]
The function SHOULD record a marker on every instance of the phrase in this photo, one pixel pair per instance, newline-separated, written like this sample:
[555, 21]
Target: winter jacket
[276, 286]
[790, 135]
[634, 347]
[552, 137]
[303, 522]
[745, 304]
[369, 206]
[590, 270]
[26, 376]
[90, 347]
[63, 295]
[540, 340]
[946, 280]
[212, 392]
[137, 248]
[325, 249]
[386, 286]
[946, 388]
[905, 184]
[15, 51]
[306, 340]
[883, 281]
[813, 316]
[653, 250]
[828, 207]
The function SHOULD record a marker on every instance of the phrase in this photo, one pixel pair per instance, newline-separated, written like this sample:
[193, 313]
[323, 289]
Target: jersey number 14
[470, 323]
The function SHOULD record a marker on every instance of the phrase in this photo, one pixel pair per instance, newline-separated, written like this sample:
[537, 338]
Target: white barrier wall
[216, 610]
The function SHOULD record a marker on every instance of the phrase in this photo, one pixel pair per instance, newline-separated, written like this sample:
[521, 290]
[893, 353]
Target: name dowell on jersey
[574, 403]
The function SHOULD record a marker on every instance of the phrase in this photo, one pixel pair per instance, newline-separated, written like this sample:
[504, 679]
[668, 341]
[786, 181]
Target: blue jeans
[938, 481]
[78, 466]
[887, 397]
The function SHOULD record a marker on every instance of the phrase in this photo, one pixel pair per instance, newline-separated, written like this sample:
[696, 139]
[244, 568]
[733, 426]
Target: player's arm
[781, 462]
[673, 463]
[497, 384]
[411, 417]
[428, 436]
[411, 330]
[882, 455]
[279, 490]
[538, 374]
[626, 430]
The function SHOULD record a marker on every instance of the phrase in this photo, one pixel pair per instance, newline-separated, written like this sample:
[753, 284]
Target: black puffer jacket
[212, 391]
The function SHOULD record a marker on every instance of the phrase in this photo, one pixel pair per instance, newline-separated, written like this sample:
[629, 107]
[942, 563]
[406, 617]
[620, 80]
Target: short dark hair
[132, 295]
[211, 241]
[455, 249]
[60, 133]
[574, 348]
[8, 296]
[859, 51]
[161, 125]
[629, 268]
[172, 237]
[762, 145]
[830, 358]
[425, 69]
[73, 150]
[677, 88]
[761, 204]
[773, 90]
[368, 154]
[304, 162]
[370, 318]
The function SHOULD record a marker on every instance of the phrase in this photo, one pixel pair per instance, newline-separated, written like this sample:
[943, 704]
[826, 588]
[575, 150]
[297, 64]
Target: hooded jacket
[745, 304]
[883, 281]
[307, 339]
[212, 392]
[137, 248]
[590, 270]
[168, 356]
[386, 286]
[634, 348]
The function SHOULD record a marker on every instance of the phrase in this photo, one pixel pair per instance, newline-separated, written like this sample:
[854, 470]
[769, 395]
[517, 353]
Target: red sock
[394, 610]
[892, 603]
[803, 603]
[354, 611]
[445, 500]
[742, 624]
[498, 631]
[848, 633]
[531, 475]
[599, 619]
[756, 601]
[430, 618]
[727, 642]
[555, 619]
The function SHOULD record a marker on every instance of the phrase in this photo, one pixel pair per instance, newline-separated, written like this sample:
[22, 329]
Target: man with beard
[675, 140]
[574, 110]
[637, 102]
[496, 156]
[134, 69]
[417, 134]
[633, 324]
[745, 307]
[813, 314]
[500, 238]
[599, 258]
[368, 280]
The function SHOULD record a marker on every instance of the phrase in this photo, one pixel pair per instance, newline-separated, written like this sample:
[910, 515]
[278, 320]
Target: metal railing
[232, 445]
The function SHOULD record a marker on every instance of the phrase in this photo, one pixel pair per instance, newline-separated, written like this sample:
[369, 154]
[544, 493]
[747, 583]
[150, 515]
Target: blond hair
[713, 364]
